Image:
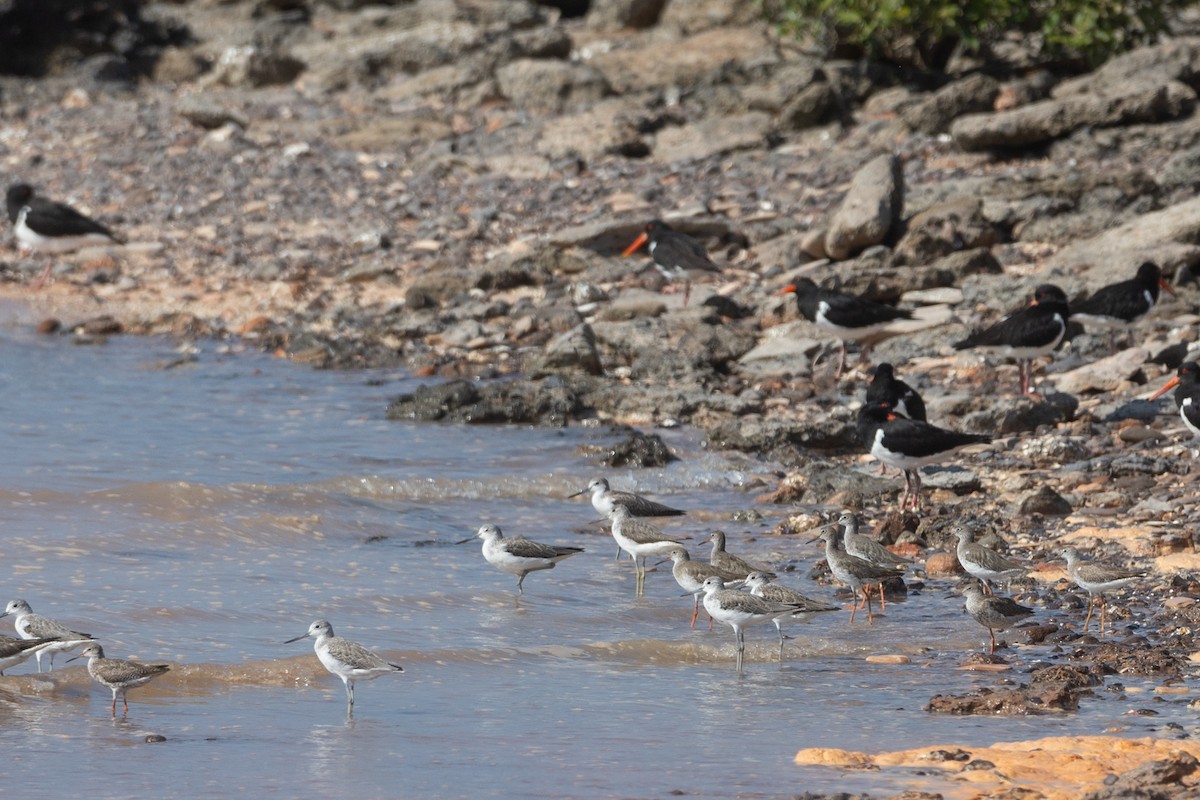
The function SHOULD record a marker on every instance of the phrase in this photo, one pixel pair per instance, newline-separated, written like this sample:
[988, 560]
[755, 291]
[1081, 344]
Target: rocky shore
[446, 186]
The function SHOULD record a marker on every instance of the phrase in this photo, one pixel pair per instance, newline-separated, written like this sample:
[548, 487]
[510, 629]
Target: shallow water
[203, 513]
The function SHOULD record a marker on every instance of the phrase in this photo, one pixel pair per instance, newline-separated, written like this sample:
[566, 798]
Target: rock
[973, 93]
[624, 13]
[178, 65]
[1106, 375]
[253, 67]
[890, 658]
[551, 85]
[1045, 501]
[1157, 780]
[639, 450]
[1004, 415]
[1122, 104]
[657, 63]
[207, 114]
[783, 349]
[948, 229]
[542, 403]
[607, 128]
[870, 209]
[573, 351]
[943, 565]
[1149, 236]
[711, 136]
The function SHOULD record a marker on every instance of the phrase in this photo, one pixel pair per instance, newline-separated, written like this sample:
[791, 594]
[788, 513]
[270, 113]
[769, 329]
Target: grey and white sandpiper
[727, 561]
[992, 611]
[34, 626]
[1096, 579]
[690, 575]
[760, 585]
[118, 674]
[739, 610]
[866, 548]
[982, 562]
[858, 573]
[641, 540]
[604, 498]
[519, 556]
[14, 651]
[349, 660]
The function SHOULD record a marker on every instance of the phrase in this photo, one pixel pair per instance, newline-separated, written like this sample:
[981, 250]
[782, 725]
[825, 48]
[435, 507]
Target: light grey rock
[870, 209]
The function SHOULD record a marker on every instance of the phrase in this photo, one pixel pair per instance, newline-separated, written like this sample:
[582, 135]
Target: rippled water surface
[203, 512]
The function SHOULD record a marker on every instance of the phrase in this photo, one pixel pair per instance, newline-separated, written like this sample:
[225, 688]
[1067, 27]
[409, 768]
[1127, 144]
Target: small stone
[1047, 502]
[49, 325]
[889, 658]
[942, 565]
[155, 738]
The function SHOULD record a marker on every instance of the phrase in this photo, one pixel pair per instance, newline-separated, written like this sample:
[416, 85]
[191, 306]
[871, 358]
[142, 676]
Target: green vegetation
[923, 33]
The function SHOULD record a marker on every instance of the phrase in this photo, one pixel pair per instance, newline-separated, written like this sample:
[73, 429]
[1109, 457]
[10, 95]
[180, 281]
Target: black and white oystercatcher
[1186, 384]
[44, 226]
[848, 317]
[908, 444]
[886, 387]
[1121, 304]
[1027, 333]
[676, 255]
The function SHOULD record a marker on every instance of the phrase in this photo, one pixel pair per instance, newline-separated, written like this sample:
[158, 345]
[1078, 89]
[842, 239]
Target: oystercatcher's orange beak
[1166, 287]
[789, 289]
[638, 242]
[891, 417]
[1171, 384]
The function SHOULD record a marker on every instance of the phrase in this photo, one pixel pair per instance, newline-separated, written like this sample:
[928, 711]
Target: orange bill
[1171, 384]
[638, 242]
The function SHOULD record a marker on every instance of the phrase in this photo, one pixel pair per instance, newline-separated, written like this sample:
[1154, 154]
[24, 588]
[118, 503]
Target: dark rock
[639, 450]
[572, 351]
[208, 114]
[1157, 780]
[1004, 415]
[970, 94]
[1136, 657]
[948, 228]
[541, 403]
[1045, 501]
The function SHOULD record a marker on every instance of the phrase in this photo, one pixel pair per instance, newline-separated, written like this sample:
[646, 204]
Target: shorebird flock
[892, 425]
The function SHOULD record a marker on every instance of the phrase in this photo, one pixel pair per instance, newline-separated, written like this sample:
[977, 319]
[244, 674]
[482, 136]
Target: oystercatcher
[1187, 395]
[908, 444]
[885, 386]
[45, 226]
[676, 255]
[1027, 333]
[846, 316]
[1121, 304]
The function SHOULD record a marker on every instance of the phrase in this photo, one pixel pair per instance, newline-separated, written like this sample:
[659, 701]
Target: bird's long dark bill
[638, 242]
[1171, 384]
[464, 541]
[73, 658]
[581, 491]
[289, 641]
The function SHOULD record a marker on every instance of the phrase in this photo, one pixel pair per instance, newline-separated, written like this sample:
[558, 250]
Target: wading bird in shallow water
[676, 255]
[847, 317]
[690, 575]
[993, 612]
[855, 572]
[1027, 333]
[866, 548]
[1096, 579]
[14, 651]
[908, 445]
[604, 498]
[727, 561]
[118, 674]
[519, 556]
[1186, 384]
[760, 585]
[641, 540]
[739, 610]
[44, 226]
[349, 660]
[34, 626]
[983, 563]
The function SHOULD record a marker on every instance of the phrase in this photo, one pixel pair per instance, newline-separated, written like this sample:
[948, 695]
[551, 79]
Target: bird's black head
[1149, 273]
[1048, 294]
[882, 371]
[17, 196]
